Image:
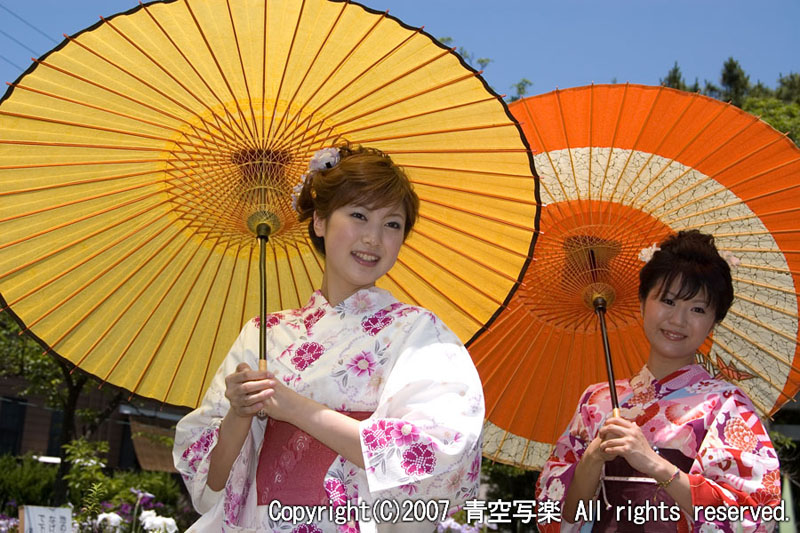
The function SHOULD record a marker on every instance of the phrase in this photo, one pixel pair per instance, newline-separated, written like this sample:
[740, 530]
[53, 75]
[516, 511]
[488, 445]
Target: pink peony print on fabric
[335, 490]
[199, 449]
[373, 324]
[307, 353]
[312, 318]
[234, 503]
[404, 433]
[409, 489]
[378, 434]
[418, 459]
[361, 364]
[272, 321]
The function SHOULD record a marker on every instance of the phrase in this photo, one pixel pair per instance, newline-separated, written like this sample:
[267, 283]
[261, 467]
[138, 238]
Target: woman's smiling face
[676, 328]
[361, 245]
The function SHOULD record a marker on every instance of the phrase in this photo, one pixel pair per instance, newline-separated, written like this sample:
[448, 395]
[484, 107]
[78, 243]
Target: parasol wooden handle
[262, 364]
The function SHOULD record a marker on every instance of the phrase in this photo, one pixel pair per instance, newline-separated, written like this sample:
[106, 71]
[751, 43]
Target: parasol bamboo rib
[103, 109]
[269, 134]
[636, 142]
[221, 72]
[55, 251]
[79, 201]
[482, 239]
[80, 219]
[473, 260]
[464, 189]
[111, 293]
[333, 71]
[438, 263]
[249, 98]
[280, 132]
[196, 322]
[765, 349]
[689, 142]
[222, 309]
[744, 363]
[174, 318]
[82, 262]
[415, 116]
[657, 150]
[153, 311]
[119, 94]
[571, 161]
[374, 140]
[617, 123]
[75, 183]
[168, 73]
[162, 94]
[132, 301]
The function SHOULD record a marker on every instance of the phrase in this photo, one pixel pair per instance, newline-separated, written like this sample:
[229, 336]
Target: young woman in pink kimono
[684, 440]
[366, 402]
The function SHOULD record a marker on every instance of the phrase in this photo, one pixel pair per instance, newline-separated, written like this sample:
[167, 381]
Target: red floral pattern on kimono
[369, 353]
[709, 421]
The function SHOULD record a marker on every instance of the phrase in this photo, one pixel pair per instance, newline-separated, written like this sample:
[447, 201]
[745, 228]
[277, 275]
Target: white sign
[33, 519]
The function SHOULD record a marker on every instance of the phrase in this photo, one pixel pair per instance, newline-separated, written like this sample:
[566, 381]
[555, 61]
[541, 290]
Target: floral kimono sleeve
[557, 473]
[423, 440]
[196, 435]
[736, 464]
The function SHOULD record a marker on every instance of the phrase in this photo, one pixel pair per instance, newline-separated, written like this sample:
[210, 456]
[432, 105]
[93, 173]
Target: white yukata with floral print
[368, 353]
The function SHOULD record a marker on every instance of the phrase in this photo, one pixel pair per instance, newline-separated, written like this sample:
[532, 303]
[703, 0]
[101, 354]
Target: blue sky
[553, 43]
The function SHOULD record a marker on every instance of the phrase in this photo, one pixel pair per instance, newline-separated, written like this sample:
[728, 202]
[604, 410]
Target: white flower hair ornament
[324, 159]
[646, 254]
[729, 258]
[321, 160]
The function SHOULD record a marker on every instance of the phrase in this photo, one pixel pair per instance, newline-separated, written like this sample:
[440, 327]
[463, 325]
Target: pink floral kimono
[369, 354]
[705, 426]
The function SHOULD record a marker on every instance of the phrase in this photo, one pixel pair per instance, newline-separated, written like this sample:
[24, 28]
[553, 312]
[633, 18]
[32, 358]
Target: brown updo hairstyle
[364, 176]
[692, 257]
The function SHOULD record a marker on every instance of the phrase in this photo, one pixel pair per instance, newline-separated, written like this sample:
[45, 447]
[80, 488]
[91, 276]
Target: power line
[31, 26]
[7, 60]
[31, 50]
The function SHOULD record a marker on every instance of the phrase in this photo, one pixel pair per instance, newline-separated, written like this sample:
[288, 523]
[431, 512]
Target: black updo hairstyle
[364, 176]
[693, 258]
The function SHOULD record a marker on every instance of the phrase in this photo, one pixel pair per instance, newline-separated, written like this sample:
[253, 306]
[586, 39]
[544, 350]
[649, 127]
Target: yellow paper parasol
[621, 167]
[133, 156]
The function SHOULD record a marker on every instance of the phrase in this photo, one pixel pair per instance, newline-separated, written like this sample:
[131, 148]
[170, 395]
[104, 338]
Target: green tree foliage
[735, 84]
[520, 89]
[25, 480]
[782, 116]
[780, 107]
[789, 88]
[54, 380]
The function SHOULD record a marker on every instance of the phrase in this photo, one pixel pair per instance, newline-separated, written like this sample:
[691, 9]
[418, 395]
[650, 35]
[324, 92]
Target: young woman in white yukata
[367, 399]
[684, 440]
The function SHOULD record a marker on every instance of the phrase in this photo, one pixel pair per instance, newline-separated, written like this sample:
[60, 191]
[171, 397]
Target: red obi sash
[292, 464]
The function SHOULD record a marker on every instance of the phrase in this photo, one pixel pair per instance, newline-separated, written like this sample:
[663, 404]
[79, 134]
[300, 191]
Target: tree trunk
[74, 384]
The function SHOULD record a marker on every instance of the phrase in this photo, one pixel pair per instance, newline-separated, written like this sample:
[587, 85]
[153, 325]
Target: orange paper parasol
[621, 167]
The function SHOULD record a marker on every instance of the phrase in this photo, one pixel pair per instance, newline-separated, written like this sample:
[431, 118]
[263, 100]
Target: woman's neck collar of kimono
[661, 367]
[335, 294]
